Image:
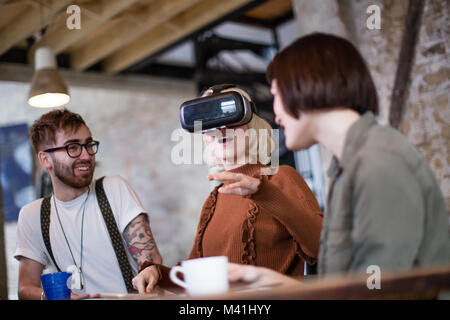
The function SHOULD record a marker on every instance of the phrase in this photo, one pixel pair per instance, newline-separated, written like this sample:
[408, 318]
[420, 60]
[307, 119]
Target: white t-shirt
[100, 267]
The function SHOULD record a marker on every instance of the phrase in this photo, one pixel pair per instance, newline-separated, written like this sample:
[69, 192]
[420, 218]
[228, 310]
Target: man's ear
[45, 159]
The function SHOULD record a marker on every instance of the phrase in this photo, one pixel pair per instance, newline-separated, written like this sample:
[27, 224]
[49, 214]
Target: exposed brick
[437, 77]
[436, 49]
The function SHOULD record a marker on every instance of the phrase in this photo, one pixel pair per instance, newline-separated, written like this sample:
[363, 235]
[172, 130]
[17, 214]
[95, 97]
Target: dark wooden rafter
[269, 24]
[267, 14]
[405, 61]
[151, 58]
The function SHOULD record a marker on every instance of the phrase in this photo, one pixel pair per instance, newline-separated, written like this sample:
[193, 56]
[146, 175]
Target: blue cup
[55, 285]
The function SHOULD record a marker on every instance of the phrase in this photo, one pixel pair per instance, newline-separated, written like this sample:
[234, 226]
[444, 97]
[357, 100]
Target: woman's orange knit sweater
[277, 227]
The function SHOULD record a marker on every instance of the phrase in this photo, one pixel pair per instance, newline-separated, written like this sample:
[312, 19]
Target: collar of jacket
[355, 138]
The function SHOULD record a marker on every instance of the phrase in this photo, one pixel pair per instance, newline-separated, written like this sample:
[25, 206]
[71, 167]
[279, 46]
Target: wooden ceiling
[119, 33]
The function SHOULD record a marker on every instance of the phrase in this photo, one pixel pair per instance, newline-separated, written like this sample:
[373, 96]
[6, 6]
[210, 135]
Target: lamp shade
[47, 87]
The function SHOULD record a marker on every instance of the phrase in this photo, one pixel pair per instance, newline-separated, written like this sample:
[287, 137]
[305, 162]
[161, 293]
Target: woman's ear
[45, 160]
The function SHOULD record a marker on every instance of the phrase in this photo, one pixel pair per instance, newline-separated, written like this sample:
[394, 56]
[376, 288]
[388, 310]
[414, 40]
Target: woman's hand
[146, 280]
[241, 184]
[258, 276]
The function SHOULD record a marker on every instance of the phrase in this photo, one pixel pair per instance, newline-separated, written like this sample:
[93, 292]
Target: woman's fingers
[240, 184]
[242, 272]
[142, 284]
[150, 286]
[139, 284]
[247, 185]
[258, 276]
[236, 191]
[225, 176]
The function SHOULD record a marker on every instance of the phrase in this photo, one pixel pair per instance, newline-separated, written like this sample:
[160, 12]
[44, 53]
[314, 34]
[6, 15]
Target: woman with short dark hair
[320, 72]
[384, 205]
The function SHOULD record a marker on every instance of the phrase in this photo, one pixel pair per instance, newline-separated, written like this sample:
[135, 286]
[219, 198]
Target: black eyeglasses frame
[85, 145]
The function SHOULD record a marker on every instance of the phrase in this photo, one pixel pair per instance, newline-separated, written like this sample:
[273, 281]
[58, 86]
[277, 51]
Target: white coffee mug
[202, 275]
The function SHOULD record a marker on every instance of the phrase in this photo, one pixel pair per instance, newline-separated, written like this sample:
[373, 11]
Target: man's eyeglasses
[75, 149]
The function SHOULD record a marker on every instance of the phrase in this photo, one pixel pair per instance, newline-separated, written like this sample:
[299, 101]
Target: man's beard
[67, 175]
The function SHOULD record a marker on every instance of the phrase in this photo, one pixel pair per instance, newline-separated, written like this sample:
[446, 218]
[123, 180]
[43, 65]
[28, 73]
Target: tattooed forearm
[139, 239]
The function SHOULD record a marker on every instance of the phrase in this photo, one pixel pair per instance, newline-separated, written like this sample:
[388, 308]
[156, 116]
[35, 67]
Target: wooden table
[416, 284]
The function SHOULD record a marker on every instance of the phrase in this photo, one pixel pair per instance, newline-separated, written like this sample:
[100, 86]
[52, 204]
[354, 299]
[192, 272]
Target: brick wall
[426, 116]
[426, 119]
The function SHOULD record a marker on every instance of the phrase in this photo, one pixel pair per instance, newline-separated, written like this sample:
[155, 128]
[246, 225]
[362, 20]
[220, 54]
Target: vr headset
[218, 110]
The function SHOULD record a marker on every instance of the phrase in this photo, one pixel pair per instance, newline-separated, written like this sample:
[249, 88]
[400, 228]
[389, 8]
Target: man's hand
[241, 184]
[74, 296]
[146, 281]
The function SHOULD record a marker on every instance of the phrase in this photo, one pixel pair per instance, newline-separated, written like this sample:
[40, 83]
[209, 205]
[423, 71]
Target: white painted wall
[133, 118]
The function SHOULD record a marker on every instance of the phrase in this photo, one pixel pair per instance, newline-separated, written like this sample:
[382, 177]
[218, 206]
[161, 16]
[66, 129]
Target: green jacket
[384, 205]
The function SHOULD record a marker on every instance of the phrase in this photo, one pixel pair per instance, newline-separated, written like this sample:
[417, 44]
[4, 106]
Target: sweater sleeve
[164, 281]
[288, 198]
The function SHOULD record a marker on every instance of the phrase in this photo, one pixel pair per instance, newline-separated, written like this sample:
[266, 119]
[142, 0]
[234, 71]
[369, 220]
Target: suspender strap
[45, 228]
[111, 225]
[115, 236]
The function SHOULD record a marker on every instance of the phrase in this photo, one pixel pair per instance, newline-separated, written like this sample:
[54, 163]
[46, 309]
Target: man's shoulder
[113, 180]
[387, 146]
[31, 209]
[32, 206]
[115, 185]
[388, 159]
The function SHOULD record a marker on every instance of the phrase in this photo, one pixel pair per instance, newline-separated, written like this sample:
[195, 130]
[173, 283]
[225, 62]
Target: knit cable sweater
[277, 227]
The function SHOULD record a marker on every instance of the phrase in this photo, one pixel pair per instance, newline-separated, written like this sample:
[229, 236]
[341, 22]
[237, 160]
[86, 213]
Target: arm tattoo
[140, 242]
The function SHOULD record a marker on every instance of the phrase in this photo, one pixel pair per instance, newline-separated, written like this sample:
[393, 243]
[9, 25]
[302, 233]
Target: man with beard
[79, 237]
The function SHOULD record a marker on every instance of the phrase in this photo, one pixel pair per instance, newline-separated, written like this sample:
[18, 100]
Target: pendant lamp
[47, 87]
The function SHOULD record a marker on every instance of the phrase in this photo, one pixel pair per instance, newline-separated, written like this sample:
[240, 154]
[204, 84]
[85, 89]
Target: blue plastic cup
[55, 285]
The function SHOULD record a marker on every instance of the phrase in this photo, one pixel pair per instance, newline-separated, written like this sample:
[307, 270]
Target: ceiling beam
[62, 37]
[28, 22]
[179, 26]
[126, 30]
[9, 11]
[405, 61]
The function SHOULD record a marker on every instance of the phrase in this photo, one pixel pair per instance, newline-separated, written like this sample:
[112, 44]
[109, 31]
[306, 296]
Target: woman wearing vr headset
[384, 207]
[252, 218]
